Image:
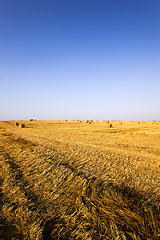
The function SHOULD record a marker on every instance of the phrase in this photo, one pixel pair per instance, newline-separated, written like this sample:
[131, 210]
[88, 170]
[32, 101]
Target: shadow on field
[55, 227]
[7, 229]
[23, 142]
[24, 185]
[52, 227]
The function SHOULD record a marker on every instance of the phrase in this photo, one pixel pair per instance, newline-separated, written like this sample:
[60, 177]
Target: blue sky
[80, 59]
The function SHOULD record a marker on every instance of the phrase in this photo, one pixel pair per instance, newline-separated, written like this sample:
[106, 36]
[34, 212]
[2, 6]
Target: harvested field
[72, 180]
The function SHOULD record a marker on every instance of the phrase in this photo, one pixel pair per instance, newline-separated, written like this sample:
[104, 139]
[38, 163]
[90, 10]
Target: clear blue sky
[80, 59]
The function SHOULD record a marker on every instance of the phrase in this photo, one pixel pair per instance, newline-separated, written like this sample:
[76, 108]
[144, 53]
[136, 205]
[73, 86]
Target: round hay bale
[22, 125]
[109, 125]
[16, 124]
[87, 121]
[31, 119]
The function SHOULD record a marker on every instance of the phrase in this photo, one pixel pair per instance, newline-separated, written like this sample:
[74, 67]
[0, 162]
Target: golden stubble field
[75, 180]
